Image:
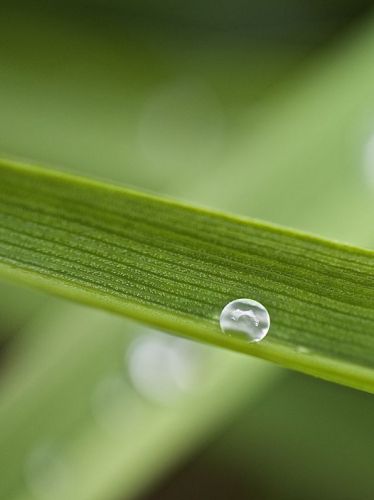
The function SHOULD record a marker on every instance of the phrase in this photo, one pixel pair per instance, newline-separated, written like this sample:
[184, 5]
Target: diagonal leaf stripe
[175, 266]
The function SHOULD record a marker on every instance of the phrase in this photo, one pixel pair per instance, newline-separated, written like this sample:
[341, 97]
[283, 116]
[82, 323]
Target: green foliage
[244, 132]
[175, 267]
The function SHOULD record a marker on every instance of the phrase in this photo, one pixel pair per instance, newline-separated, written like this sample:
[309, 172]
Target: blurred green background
[262, 108]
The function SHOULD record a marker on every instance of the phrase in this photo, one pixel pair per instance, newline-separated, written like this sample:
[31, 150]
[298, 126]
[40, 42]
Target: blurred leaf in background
[262, 108]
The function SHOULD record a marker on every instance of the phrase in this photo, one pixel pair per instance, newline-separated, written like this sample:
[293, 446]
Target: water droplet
[245, 318]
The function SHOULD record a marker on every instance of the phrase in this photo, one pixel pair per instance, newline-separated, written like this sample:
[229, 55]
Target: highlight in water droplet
[245, 318]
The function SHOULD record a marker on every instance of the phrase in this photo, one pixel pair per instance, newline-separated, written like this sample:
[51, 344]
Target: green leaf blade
[175, 267]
